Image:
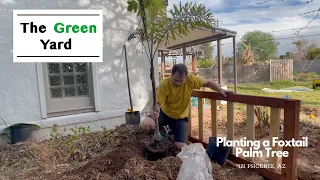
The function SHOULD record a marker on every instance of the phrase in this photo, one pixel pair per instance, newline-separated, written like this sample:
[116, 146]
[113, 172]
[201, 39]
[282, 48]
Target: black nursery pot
[20, 132]
[154, 155]
[218, 154]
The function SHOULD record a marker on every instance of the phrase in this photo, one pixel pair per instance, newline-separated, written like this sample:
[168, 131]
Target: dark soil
[158, 150]
[112, 154]
[311, 111]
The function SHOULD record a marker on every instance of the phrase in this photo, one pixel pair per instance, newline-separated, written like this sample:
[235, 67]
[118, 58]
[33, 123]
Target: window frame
[71, 105]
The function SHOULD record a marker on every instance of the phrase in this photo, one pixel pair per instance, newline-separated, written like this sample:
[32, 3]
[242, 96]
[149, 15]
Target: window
[68, 88]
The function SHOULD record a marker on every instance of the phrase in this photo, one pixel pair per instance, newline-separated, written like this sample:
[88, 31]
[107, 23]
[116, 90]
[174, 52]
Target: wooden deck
[291, 128]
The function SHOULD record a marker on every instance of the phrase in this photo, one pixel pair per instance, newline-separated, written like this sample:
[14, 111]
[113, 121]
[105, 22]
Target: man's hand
[225, 92]
[155, 115]
[214, 86]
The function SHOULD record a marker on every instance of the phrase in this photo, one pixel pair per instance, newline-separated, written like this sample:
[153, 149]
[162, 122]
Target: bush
[307, 76]
[205, 63]
[281, 83]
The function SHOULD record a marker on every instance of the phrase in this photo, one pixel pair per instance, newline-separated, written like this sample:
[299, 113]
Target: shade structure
[201, 36]
[195, 37]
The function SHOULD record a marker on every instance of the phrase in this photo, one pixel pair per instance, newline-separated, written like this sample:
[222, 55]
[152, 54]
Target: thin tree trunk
[156, 137]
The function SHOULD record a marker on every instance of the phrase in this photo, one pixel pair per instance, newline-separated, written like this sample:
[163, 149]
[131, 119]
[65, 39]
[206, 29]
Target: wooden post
[235, 65]
[184, 53]
[230, 122]
[291, 130]
[214, 126]
[250, 124]
[194, 63]
[219, 62]
[200, 116]
[274, 132]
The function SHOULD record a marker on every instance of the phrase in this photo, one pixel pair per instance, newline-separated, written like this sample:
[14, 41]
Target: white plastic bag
[196, 164]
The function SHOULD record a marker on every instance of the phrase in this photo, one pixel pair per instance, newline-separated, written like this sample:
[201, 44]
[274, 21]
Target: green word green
[61, 28]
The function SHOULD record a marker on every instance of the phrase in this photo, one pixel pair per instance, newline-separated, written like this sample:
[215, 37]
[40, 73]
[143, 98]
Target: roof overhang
[196, 37]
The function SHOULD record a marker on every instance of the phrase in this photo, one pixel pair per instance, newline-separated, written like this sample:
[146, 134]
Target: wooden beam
[200, 41]
[245, 99]
[291, 131]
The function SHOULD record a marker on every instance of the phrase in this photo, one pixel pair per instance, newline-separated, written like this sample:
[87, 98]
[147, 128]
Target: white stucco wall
[19, 91]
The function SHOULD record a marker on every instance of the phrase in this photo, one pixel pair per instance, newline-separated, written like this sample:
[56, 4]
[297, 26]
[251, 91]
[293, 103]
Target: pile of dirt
[229, 171]
[308, 157]
[111, 164]
[105, 159]
[128, 168]
[311, 111]
[126, 160]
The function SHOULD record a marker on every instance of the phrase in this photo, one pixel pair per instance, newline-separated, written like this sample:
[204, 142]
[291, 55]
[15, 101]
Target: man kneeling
[179, 127]
[173, 102]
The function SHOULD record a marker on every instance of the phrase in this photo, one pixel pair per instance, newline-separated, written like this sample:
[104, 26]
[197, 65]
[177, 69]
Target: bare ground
[118, 154]
[109, 154]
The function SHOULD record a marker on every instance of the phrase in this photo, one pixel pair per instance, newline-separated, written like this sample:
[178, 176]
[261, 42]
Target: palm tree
[156, 27]
[247, 55]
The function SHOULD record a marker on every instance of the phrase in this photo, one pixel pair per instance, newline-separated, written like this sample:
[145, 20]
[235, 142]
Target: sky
[280, 16]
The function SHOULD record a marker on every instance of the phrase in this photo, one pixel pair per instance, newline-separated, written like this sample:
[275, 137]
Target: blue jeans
[179, 127]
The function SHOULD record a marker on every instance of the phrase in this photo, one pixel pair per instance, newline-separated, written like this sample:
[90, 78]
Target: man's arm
[212, 85]
[215, 86]
[200, 82]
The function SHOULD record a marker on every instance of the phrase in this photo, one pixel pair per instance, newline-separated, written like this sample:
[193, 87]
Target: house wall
[20, 99]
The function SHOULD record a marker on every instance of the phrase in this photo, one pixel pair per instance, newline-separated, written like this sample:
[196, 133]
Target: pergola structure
[196, 37]
[190, 51]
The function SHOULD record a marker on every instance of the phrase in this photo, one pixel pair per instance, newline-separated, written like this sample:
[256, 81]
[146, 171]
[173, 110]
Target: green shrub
[307, 76]
[280, 84]
[205, 63]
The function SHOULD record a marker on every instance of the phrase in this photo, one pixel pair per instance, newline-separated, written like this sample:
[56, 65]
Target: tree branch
[143, 16]
[156, 49]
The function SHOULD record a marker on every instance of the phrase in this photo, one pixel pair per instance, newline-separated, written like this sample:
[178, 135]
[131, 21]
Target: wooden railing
[291, 127]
